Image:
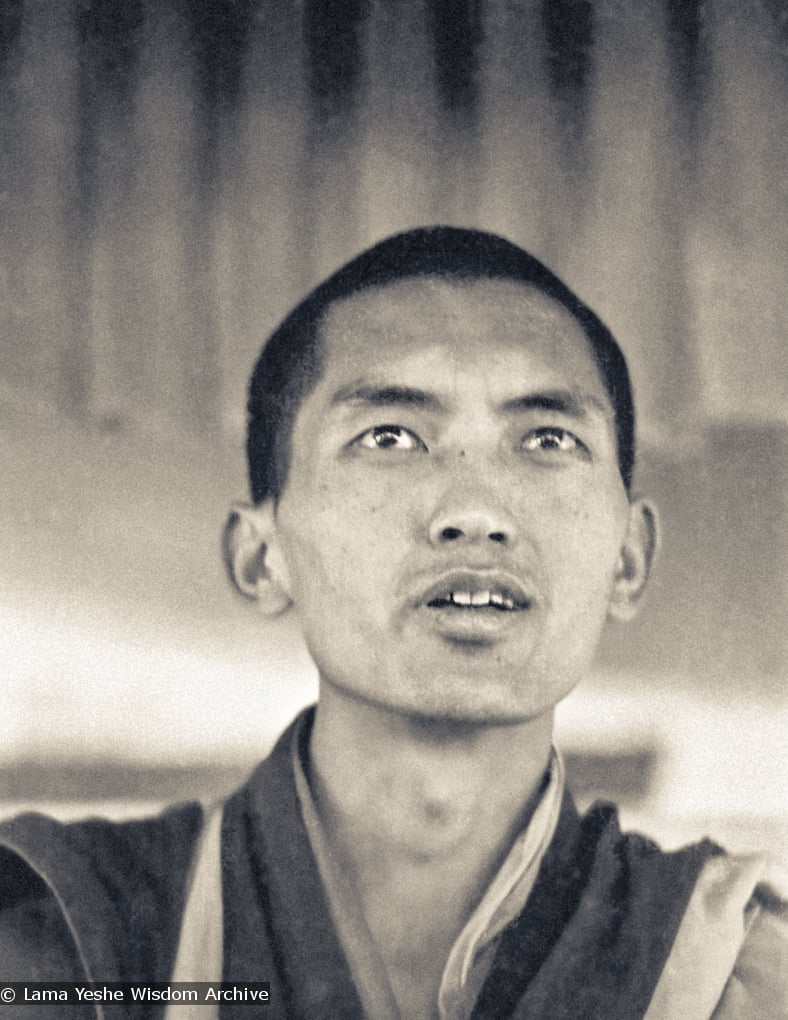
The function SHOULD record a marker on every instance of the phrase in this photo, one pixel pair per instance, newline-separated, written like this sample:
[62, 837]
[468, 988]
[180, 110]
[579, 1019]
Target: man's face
[453, 516]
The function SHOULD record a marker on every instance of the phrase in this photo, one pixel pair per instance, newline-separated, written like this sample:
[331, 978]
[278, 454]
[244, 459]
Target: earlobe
[249, 554]
[635, 561]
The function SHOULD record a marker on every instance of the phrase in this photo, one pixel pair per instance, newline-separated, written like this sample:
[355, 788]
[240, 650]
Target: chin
[470, 703]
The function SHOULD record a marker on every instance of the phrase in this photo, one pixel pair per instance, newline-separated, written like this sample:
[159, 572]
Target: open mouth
[497, 599]
[475, 608]
[477, 592]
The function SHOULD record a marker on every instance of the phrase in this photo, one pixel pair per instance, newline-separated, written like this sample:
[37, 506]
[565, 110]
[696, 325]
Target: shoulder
[107, 897]
[758, 985]
[93, 895]
[718, 922]
[637, 872]
[729, 959]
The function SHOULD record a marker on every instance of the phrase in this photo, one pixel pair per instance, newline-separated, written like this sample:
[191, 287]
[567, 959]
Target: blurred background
[174, 174]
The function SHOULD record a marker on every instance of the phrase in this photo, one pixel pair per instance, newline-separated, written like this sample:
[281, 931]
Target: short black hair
[289, 364]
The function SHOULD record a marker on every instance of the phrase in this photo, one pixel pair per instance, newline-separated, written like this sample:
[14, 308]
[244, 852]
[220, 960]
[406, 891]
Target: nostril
[471, 526]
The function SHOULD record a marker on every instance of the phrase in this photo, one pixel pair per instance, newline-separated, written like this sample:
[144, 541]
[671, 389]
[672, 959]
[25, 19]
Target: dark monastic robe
[104, 900]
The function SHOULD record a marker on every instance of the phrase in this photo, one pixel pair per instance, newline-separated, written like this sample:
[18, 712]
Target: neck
[396, 788]
[419, 815]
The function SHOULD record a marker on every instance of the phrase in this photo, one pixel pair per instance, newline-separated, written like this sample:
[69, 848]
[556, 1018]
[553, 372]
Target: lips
[473, 609]
[474, 591]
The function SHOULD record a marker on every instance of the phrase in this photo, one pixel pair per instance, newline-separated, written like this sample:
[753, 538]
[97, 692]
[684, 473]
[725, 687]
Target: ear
[252, 559]
[635, 560]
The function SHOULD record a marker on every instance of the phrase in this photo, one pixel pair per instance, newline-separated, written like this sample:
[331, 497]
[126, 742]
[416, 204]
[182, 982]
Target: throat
[418, 816]
[433, 825]
[396, 787]
[407, 811]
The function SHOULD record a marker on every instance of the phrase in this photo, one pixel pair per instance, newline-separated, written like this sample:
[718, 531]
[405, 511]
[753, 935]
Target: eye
[389, 437]
[552, 439]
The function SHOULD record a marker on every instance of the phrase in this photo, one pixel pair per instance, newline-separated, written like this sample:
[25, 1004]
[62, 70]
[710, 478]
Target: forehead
[502, 332]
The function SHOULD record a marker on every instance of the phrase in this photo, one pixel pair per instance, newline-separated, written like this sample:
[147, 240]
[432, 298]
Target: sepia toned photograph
[393, 509]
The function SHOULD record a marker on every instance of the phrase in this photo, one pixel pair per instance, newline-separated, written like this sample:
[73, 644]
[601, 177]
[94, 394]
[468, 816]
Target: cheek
[370, 509]
[582, 538]
[338, 547]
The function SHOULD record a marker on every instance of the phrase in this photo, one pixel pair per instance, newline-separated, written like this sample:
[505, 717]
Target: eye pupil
[550, 438]
[387, 436]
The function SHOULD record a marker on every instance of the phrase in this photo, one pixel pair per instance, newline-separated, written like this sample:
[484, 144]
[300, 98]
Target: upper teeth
[481, 598]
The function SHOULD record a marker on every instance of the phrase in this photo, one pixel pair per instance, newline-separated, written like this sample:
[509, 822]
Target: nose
[472, 525]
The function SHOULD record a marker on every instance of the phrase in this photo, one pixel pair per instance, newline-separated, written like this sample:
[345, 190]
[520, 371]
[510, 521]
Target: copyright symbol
[7, 995]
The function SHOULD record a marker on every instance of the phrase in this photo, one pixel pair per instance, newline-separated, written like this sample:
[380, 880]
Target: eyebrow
[574, 403]
[386, 396]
